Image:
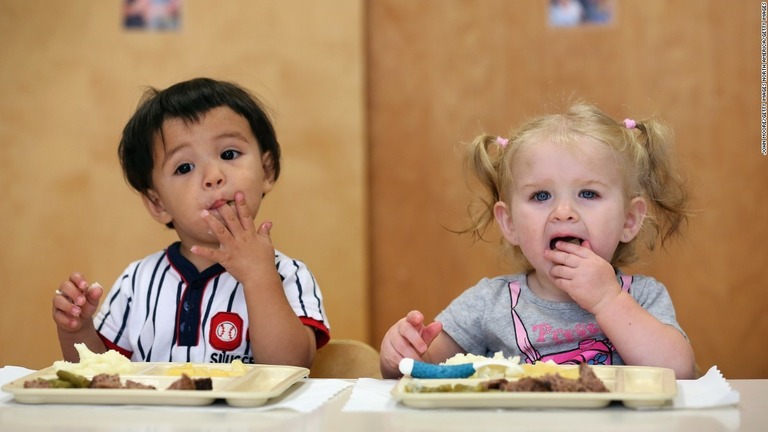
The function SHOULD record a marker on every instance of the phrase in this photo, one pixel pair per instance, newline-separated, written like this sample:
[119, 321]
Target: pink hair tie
[502, 141]
[630, 124]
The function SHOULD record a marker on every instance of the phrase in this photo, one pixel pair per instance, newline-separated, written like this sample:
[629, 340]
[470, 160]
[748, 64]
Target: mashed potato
[111, 362]
[516, 369]
[472, 358]
[512, 370]
[540, 369]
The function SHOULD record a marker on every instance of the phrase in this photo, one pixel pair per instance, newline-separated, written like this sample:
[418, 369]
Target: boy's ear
[636, 212]
[155, 207]
[268, 164]
[504, 219]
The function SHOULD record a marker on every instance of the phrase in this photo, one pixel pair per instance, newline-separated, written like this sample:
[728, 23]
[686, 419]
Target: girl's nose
[564, 211]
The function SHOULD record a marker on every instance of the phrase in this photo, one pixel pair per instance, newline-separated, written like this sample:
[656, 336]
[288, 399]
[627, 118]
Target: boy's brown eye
[229, 154]
[183, 168]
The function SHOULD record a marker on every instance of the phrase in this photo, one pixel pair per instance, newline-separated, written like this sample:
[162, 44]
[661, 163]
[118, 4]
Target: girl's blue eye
[229, 154]
[541, 196]
[183, 168]
[588, 194]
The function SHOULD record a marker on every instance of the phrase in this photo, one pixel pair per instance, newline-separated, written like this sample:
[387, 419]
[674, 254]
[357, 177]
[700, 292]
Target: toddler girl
[573, 194]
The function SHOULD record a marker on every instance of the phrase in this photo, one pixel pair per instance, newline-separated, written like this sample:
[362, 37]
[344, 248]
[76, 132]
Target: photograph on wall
[152, 15]
[573, 13]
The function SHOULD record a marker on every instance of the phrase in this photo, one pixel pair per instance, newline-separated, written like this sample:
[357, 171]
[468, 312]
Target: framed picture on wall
[573, 13]
[152, 15]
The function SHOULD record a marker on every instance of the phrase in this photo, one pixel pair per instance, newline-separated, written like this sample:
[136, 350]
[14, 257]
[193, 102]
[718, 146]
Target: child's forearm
[87, 336]
[641, 339]
[277, 335]
[283, 343]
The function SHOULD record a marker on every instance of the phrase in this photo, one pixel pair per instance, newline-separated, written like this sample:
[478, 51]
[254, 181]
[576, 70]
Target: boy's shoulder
[281, 257]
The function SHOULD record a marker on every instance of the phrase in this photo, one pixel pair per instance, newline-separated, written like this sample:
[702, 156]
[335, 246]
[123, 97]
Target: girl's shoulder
[639, 281]
[497, 284]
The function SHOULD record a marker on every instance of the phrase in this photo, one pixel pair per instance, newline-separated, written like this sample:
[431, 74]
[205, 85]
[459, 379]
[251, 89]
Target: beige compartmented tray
[634, 386]
[259, 384]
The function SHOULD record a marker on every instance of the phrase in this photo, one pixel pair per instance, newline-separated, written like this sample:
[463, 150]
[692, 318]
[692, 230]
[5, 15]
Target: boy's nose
[214, 177]
[214, 182]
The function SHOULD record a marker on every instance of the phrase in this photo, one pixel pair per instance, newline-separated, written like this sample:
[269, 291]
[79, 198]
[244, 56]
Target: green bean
[78, 381]
[59, 383]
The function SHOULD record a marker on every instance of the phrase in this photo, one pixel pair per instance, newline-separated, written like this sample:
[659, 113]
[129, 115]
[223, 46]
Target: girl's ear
[155, 207]
[636, 212]
[268, 164]
[504, 218]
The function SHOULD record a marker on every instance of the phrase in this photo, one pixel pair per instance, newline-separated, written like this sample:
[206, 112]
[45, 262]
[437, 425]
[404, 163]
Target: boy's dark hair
[188, 100]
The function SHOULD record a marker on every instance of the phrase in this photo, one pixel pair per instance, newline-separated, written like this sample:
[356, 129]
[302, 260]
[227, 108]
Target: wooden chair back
[346, 358]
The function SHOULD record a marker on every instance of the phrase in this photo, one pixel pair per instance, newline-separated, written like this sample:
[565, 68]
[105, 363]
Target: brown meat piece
[133, 385]
[587, 382]
[590, 380]
[106, 381]
[38, 383]
[494, 384]
[183, 383]
[528, 384]
[203, 384]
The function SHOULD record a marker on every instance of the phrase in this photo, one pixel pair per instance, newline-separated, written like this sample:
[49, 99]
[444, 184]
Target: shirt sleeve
[304, 296]
[463, 318]
[111, 321]
[653, 296]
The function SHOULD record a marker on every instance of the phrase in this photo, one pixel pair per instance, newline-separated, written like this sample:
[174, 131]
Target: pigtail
[483, 161]
[661, 183]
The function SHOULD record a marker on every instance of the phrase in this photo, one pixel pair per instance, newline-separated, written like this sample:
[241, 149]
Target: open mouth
[574, 240]
[220, 203]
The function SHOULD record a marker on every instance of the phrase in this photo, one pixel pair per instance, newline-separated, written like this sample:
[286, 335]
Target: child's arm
[277, 335]
[638, 336]
[641, 339]
[410, 338]
[74, 304]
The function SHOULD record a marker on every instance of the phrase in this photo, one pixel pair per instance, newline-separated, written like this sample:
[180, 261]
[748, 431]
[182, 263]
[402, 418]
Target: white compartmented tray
[634, 386]
[259, 384]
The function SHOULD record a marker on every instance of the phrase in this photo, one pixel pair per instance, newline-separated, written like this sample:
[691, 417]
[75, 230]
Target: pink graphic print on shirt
[590, 351]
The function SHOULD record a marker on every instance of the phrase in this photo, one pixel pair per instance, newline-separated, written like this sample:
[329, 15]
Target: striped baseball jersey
[162, 309]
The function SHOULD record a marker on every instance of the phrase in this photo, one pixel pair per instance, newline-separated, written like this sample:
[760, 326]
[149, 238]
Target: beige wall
[71, 77]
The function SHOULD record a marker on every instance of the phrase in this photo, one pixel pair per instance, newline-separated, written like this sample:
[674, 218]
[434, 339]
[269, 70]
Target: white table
[750, 415]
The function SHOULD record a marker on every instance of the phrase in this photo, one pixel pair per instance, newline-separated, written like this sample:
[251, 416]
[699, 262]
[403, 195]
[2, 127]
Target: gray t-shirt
[482, 321]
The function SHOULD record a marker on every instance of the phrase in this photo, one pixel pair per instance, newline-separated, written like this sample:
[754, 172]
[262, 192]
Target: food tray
[259, 384]
[634, 386]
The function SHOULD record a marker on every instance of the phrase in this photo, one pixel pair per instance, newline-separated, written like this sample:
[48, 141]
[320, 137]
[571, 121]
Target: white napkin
[711, 390]
[304, 396]
[372, 395]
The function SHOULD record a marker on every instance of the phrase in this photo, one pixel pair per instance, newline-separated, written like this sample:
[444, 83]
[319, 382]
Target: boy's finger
[246, 220]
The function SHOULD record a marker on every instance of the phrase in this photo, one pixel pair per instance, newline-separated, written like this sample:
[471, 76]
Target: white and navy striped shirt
[163, 310]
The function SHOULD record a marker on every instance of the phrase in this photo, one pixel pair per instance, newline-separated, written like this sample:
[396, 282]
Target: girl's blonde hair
[643, 148]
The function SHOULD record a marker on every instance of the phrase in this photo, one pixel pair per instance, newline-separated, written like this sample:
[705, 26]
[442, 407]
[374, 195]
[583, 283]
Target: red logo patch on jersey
[226, 331]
